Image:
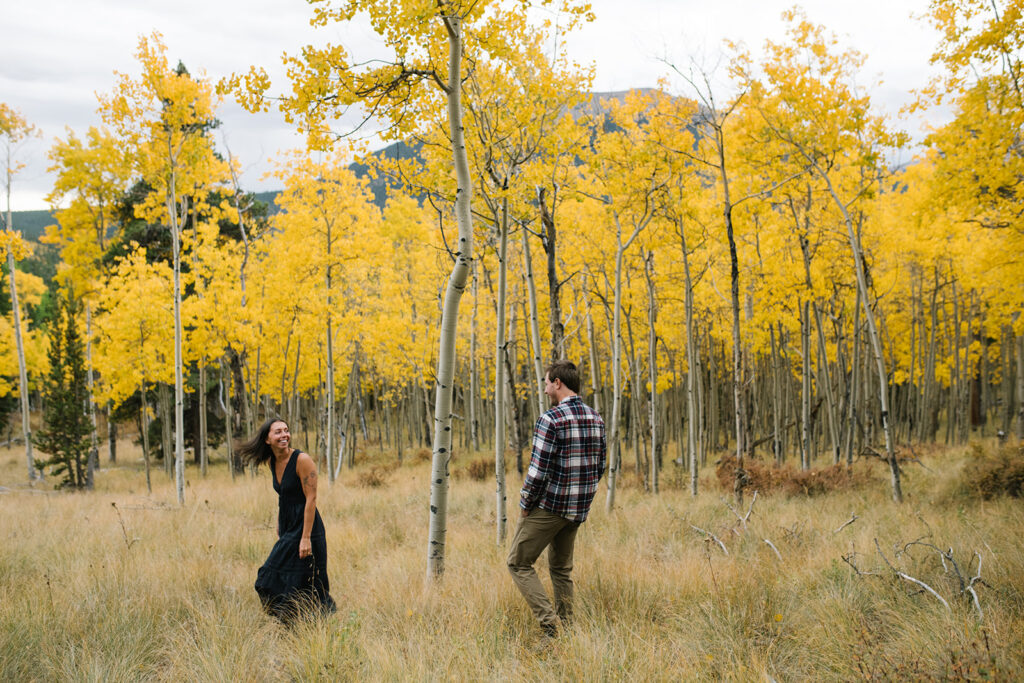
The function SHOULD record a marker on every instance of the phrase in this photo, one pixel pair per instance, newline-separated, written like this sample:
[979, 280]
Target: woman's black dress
[287, 584]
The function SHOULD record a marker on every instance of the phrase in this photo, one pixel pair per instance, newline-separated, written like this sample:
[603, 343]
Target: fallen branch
[772, 546]
[853, 518]
[744, 518]
[970, 587]
[871, 452]
[850, 559]
[914, 457]
[948, 561]
[708, 536]
[909, 578]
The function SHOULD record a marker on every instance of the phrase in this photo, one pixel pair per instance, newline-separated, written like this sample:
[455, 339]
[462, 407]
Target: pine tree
[65, 434]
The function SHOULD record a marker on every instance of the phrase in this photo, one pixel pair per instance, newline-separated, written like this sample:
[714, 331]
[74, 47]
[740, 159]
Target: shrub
[480, 469]
[770, 478]
[989, 475]
[375, 477]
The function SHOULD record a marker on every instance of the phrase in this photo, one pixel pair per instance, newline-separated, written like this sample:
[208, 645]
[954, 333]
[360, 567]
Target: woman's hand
[305, 548]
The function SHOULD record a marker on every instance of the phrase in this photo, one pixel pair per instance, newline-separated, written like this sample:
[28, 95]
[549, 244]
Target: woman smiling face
[278, 437]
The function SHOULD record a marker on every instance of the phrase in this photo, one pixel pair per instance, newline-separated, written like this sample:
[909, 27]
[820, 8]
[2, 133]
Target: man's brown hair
[565, 371]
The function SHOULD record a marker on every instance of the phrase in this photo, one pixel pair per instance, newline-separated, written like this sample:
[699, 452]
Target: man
[568, 460]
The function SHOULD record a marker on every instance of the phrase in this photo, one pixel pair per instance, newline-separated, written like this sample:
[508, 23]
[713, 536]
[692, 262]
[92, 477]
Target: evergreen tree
[65, 434]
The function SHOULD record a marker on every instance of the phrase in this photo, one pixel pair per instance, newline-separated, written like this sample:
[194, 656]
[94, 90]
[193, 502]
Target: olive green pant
[542, 529]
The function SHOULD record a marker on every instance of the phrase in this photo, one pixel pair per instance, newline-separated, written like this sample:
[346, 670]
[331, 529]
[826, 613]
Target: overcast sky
[57, 54]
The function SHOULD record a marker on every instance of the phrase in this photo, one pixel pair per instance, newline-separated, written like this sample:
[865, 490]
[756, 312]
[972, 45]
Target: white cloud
[57, 54]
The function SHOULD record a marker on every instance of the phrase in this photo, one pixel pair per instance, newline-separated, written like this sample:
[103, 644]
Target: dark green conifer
[66, 425]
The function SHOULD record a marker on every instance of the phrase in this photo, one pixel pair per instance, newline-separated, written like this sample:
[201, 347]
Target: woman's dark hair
[256, 450]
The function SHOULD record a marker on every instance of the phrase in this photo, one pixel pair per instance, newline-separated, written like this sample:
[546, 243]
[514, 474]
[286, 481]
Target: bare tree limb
[853, 518]
[708, 536]
[851, 559]
[909, 578]
[772, 546]
[743, 519]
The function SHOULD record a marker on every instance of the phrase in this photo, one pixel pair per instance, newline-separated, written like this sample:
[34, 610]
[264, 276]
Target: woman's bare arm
[306, 469]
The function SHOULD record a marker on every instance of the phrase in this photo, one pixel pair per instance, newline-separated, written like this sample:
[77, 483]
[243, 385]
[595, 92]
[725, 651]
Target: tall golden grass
[118, 585]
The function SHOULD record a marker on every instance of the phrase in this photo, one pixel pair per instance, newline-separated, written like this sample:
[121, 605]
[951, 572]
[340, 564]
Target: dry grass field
[118, 585]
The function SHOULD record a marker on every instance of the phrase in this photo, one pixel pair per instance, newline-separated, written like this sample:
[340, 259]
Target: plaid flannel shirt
[568, 460]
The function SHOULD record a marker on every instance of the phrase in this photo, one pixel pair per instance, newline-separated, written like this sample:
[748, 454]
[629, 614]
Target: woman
[295, 573]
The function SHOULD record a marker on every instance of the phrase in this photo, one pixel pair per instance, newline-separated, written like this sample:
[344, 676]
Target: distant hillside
[32, 224]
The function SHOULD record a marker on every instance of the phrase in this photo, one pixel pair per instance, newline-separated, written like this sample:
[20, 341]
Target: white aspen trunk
[1020, 387]
[296, 404]
[359, 404]
[807, 435]
[111, 434]
[500, 496]
[144, 422]
[145, 434]
[693, 426]
[953, 420]
[876, 344]
[229, 417]
[595, 368]
[94, 443]
[852, 415]
[179, 393]
[166, 439]
[200, 446]
[438, 519]
[330, 378]
[474, 372]
[692, 367]
[737, 351]
[203, 455]
[777, 401]
[701, 390]
[652, 367]
[613, 427]
[613, 430]
[550, 240]
[26, 429]
[531, 289]
[929, 426]
[822, 352]
[237, 200]
[22, 372]
[284, 369]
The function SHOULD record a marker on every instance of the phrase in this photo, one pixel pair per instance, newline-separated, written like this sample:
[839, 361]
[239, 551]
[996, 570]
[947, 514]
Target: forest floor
[120, 585]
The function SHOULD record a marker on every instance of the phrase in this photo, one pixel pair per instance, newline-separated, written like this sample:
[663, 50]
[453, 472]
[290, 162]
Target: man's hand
[523, 512]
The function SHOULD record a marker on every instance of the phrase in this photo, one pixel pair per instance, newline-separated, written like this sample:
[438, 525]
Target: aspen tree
[14, 129]
[134, 327]
[652, 367]
[671, 126]
[320, 265]
[980, 47]
[718, 165]
[165, 116]
[628, 180]
[803, 82]
[512, 116]
[500, 360]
